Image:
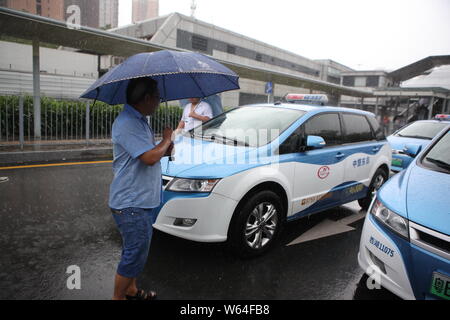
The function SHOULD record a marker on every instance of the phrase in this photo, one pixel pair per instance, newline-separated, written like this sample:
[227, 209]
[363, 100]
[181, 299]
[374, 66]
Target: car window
[327, 126]
[379, 134]
[438, 157]
[357, 128]
[421, 130]
[253, 125]
[293, 143]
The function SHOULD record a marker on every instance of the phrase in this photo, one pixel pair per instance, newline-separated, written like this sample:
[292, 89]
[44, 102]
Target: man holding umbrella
[136, 188]
[141, 82]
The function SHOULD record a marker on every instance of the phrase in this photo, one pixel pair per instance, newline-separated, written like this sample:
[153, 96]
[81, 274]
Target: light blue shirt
[135, 184]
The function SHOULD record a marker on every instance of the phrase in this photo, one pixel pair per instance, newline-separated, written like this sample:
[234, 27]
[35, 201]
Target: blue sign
[269, 88]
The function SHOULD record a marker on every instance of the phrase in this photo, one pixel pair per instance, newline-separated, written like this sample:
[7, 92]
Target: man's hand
[167, 134]
[161, 150]
[192, 114]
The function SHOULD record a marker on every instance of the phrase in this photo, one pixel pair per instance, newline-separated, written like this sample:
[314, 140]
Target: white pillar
[430, 108]
[36, 90]
[376, 106]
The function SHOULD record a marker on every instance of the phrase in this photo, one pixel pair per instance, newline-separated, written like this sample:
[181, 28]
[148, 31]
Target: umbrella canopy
[179, 75]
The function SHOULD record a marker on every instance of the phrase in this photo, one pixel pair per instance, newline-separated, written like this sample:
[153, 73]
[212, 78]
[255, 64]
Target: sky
[362, 34]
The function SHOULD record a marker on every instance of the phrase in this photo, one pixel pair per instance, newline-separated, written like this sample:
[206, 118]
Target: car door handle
[340, 155]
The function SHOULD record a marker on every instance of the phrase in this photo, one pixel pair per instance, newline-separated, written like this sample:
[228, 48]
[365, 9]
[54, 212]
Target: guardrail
[68, 121]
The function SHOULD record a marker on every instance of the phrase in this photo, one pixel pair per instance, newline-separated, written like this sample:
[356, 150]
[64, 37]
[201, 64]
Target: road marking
[328, 228]
[4, 179]
[55, 165]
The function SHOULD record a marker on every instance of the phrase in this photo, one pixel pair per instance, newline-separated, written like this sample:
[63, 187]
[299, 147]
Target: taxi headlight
[192, 185]
[390, 219]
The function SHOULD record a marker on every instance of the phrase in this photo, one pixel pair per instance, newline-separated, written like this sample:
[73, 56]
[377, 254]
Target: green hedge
[65, 119]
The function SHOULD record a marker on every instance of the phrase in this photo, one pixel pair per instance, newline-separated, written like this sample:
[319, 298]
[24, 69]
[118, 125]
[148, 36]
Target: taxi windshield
[421, 130]
[438, 158]
[251, 126]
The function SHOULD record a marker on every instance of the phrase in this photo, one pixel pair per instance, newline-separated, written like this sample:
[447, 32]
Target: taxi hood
[420, 195]
[428, 198]
[398, 143]
[195, 158]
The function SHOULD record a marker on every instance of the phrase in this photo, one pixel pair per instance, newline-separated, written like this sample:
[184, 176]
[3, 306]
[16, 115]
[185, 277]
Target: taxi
[405, 243]
[240, 176]
[412, 138]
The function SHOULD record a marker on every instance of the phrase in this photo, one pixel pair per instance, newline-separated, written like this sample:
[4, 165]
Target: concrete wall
[18, 57]
[63, 87]
[64, 74]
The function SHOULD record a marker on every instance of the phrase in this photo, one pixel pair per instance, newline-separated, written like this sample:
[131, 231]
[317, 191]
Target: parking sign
[269, 88]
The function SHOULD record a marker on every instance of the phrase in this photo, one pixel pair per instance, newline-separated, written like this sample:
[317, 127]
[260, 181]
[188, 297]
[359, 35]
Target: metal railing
[68, 121]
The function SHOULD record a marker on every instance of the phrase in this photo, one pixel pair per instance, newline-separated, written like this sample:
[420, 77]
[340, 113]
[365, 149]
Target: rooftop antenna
[193, 8]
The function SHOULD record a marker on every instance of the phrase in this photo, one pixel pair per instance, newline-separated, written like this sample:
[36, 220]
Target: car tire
[379, 178]
[256, 225]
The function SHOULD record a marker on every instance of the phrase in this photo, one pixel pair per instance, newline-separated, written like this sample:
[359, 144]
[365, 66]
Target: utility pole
[193, 7]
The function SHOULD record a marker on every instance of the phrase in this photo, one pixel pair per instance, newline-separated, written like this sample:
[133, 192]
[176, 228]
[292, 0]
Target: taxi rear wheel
[379, 178]
[256, 225]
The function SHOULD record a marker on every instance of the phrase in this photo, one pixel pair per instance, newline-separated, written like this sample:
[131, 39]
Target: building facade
[144, 10]
[47, 8]
[108, 14]
[94, 13]
[368, 80]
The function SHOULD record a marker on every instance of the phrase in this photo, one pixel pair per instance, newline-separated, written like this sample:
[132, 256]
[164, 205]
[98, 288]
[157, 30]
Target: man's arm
[199, 117]
[205, 113]
[153, 156]
[181, 125]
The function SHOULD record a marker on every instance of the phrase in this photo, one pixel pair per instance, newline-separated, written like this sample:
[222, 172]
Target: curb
[29, 157]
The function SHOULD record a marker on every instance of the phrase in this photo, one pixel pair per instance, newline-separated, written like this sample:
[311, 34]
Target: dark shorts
[135, 226]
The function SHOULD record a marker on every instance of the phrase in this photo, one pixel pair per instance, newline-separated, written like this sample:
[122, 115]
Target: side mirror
[412, 150]
[315, 142]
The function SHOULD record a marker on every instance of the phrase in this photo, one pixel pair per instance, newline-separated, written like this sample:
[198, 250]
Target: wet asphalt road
[52, 218]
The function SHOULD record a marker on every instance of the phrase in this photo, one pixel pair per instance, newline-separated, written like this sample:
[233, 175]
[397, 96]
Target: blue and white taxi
[405, 243]
[412, 138]
[240, 176]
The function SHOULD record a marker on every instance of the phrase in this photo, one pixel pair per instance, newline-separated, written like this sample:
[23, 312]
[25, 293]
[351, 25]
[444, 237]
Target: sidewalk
[54, 151]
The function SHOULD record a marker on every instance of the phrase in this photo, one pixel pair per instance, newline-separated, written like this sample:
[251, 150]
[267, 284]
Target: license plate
[397, 162]
[440, 286]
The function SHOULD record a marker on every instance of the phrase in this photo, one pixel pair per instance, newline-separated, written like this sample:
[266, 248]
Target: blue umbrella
[179, 75]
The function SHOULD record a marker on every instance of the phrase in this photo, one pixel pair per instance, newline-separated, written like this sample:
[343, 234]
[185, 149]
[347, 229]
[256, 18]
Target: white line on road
[329, 228]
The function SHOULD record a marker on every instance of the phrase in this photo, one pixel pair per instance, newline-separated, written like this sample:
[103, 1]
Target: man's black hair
[138, 88]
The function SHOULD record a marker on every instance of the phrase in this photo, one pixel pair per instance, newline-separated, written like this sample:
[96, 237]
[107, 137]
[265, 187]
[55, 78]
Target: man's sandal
[142, 295]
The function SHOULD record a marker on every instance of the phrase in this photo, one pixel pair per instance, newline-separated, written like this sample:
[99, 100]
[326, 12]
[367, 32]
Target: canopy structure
[419, 67]
[39, 29]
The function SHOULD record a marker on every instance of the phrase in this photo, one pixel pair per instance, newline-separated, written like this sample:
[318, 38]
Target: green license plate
[397, 162]
[440, 286]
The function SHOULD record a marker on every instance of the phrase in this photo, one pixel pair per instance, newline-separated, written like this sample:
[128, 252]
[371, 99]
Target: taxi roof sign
[442, 117]
[313, 99]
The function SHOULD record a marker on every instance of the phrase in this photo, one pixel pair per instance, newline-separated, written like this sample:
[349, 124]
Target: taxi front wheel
[256, 225]
[379, 178]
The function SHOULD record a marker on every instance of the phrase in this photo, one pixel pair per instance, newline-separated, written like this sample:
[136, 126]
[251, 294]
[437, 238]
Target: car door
[318, 172]
[361, 149]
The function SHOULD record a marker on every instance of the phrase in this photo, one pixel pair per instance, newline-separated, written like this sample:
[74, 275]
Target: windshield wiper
[234, 141]
[439, 163]
[414, 137]
[214, 137]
